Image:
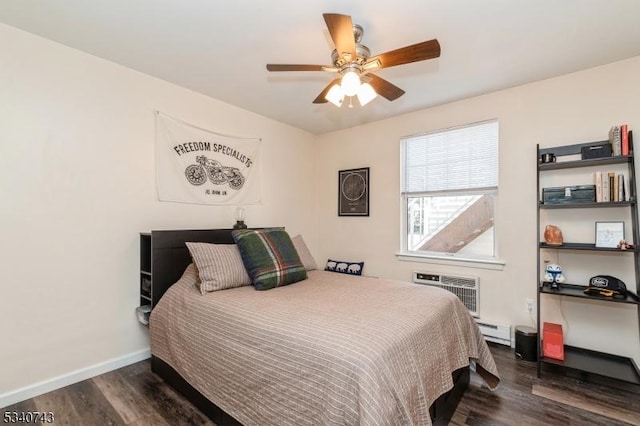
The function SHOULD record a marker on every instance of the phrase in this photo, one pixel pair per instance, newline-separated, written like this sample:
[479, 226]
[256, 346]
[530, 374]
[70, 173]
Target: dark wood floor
[134, 396]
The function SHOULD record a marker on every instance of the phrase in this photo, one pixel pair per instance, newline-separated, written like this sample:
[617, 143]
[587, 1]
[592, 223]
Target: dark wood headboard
[170, 256]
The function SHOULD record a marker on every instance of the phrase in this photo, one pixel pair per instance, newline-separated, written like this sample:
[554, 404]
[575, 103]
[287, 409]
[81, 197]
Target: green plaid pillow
[270, 257]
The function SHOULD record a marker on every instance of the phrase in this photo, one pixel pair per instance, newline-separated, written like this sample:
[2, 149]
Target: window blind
[460, 158]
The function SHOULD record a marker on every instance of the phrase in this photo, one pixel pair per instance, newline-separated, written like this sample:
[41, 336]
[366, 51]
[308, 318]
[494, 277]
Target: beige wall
[77, 185]
[575, 108]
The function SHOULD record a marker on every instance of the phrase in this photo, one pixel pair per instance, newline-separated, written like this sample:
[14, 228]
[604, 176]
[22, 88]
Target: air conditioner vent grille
[459, 281]
[466, 288]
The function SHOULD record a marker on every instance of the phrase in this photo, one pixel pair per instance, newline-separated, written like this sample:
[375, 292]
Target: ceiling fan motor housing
[362, 52]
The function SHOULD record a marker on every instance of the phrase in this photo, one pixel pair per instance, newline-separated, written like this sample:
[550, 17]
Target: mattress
[333, 349]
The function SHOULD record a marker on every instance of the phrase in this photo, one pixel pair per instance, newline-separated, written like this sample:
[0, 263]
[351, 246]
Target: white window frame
[456, 259]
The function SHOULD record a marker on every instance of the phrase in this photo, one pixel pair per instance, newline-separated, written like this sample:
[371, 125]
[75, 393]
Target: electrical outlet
[528, 305]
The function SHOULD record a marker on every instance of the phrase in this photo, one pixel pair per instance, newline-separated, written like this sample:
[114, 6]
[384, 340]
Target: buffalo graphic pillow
[352, 268]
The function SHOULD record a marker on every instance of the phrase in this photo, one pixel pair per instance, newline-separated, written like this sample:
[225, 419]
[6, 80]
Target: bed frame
[170, 257]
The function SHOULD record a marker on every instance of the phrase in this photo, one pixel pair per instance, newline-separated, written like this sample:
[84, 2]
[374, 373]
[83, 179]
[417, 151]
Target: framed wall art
[353, 192]
[609, 234]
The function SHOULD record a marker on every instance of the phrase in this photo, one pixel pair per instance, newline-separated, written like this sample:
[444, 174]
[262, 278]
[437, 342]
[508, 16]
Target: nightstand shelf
[145, 270]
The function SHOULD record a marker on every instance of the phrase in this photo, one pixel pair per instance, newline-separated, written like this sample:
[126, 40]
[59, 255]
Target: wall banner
[195, 165]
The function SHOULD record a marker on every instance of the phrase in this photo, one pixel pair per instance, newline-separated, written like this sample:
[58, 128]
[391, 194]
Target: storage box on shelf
[586, 361]
[578, 194]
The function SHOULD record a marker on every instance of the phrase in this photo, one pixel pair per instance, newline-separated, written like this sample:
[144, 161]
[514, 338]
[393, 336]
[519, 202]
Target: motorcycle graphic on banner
[218, 174]
[195, 165]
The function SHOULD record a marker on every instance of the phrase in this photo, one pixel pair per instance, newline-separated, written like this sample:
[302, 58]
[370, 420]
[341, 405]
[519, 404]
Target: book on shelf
[611, 187]
[615, 140]
[627, 191]
[605, 188]
[624, 139]
[620, 183]
[620, 138]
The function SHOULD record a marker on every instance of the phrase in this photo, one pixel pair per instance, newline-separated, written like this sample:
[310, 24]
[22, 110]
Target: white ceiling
[220, 48]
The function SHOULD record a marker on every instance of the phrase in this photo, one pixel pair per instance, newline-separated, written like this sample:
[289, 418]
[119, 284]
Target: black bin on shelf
[526, 343]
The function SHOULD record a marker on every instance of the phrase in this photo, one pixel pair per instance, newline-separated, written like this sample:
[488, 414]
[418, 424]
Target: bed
[331, 349]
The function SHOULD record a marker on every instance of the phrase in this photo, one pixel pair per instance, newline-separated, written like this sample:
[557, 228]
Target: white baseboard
[31, 391]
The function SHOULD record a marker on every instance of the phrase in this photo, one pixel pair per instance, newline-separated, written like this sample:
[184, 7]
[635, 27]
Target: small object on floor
[526, 343]
[553, 341]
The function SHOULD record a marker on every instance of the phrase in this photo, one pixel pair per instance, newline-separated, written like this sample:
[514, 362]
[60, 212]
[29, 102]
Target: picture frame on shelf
[353, 192]
[609, 234]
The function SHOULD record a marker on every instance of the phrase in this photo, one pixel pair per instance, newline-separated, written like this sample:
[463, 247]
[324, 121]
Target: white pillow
[304, 253]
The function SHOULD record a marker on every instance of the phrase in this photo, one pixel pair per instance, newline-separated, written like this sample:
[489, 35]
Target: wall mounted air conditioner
[466, 288]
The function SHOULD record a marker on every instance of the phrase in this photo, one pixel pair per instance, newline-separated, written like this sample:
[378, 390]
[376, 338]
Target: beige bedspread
[331, 350]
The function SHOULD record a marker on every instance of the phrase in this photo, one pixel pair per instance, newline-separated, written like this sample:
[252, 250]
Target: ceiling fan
[354, 64]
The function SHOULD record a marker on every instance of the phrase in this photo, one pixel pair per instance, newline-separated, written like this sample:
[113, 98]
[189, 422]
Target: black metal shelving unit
[585, 361]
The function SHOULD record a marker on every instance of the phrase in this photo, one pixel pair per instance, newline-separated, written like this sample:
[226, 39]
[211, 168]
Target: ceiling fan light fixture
[335, 95]
[350, 83]
[366, 94]
[372, 65]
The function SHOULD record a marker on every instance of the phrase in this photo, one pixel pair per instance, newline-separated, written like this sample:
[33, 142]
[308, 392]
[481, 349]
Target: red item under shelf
[552, 341]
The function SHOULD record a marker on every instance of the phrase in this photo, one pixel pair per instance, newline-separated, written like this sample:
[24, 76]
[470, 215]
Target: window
[449, 186]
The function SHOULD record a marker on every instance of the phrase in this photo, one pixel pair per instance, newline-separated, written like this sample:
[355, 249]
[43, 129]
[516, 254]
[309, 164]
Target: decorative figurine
[624, 245]
[553, 275]
[553, 235]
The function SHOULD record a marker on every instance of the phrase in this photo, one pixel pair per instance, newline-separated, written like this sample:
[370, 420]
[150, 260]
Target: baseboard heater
[496, 333]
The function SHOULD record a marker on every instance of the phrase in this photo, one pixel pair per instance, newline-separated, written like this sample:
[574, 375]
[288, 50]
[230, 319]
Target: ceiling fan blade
[341, 30]
[321, 97]
[405, 55]
[384, 88]
[294, 67]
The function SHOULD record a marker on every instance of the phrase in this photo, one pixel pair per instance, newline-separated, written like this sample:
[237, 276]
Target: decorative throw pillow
[219, 266]
[269, 257]
[353, 268]
[304, 253]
